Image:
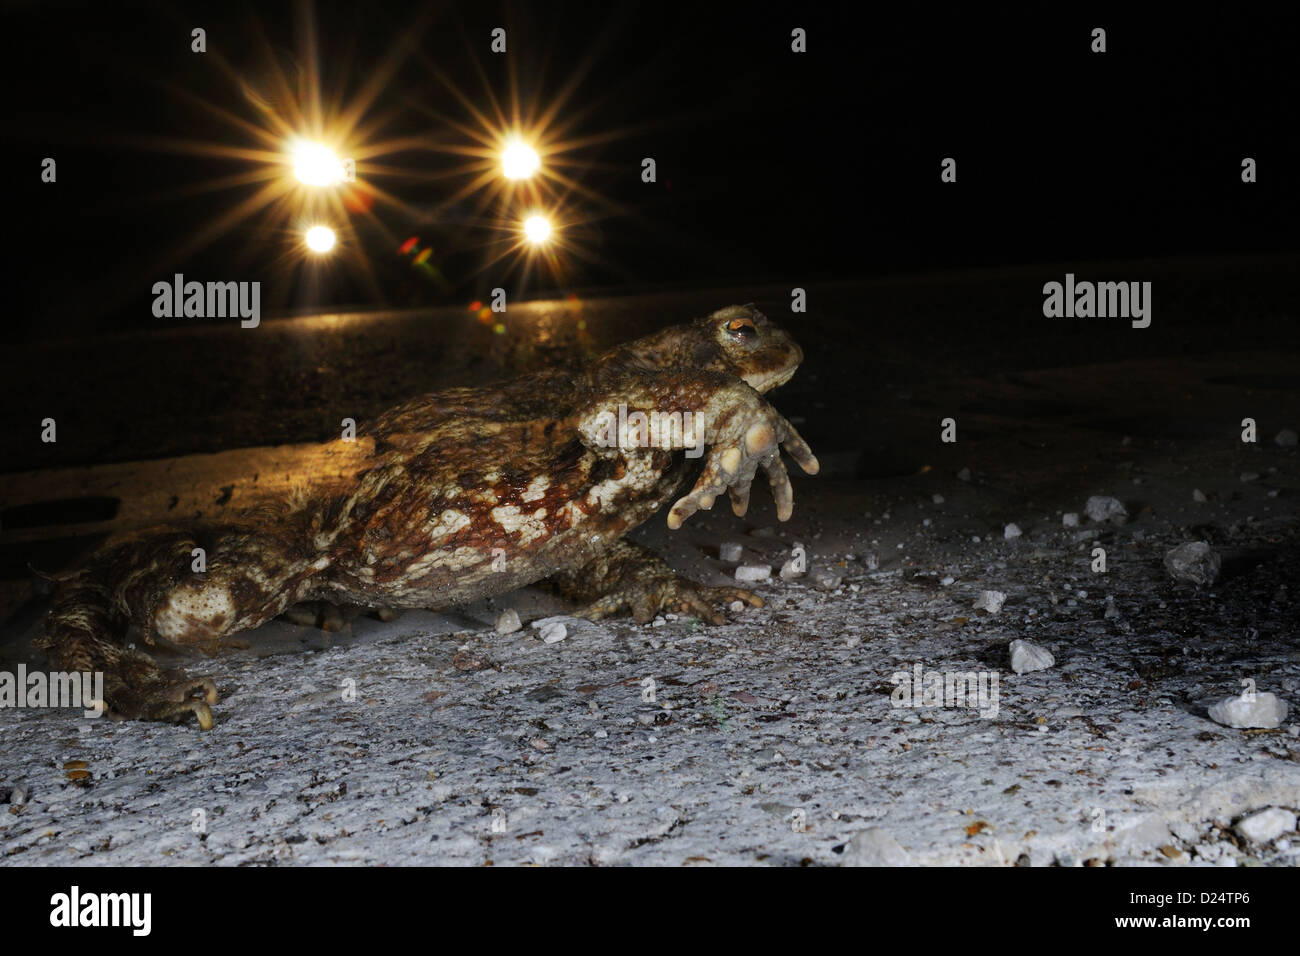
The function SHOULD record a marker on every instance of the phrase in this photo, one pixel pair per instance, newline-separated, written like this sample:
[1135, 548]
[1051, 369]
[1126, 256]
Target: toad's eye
[742, 328]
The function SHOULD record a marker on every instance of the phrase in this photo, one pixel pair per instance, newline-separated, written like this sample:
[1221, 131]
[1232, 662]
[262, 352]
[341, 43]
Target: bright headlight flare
[537, 229]
[315, 164]
[320, 239]
[519, 160]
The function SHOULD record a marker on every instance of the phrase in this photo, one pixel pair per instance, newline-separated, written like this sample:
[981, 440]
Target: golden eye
[742, 328]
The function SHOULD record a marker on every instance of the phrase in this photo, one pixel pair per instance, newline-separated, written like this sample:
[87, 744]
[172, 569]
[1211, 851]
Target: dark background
[772, 166]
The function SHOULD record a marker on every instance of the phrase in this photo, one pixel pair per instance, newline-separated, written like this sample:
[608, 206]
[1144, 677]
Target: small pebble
[1070, 519]
[1286, 438]
[1265, 711]
[1027, 657]
[1267, 825]
[990, 601]
[1199, 496]
[964, 474]
[508, 621]
[1012, 531]
[1248, 476]
[730, 551]
[1105, 508]
[553, 632]
[875, 847]
[754, 572]
[938, 499]
[1194, 562]
[827, 581]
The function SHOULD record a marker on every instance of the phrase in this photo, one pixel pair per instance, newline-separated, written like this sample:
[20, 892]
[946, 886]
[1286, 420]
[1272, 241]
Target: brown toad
[463, 494]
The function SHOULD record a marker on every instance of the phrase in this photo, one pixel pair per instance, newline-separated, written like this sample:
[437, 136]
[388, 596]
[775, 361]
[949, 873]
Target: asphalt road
[772, 739]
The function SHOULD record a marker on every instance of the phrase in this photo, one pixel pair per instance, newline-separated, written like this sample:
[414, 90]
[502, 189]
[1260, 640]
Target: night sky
[772, 165]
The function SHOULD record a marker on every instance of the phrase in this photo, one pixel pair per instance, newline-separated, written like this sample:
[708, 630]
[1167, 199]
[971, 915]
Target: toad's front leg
[676, 409]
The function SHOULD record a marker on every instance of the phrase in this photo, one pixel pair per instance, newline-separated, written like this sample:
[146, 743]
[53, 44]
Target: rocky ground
[776, 739]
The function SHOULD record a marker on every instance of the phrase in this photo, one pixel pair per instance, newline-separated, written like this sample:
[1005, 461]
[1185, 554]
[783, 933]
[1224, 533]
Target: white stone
[827, 580]
[1012, 531]
[1267, 825]
[1105, 508]
[1027, 657]
[553, 632]
[1199, 496]
[1070, 519]
[990, 601]
[508, 621]
[1249, 476]
[730, 551]
[754, 572]
[1194, 562]
[875, 847]
[938, 499]
[1209, 851]
[1262, 711]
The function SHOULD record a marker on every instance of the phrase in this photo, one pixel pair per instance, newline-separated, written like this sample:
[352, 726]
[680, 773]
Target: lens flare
[315, 164]
[519, 160]
[320, 238]
[537, 229]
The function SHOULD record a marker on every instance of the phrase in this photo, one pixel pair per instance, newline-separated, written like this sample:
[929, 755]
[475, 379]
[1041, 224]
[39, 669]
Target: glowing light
[406, 247]
[315, 164]
[537, 229]
[320, 238]
[519, 160]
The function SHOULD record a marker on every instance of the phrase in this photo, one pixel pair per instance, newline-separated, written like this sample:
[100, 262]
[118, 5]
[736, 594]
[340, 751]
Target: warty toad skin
[462, 494]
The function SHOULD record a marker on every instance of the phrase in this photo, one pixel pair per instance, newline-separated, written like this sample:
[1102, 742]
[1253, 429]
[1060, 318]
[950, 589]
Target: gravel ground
[771, 740]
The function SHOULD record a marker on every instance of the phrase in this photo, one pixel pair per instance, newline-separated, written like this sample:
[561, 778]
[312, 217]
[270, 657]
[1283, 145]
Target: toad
[463, 494]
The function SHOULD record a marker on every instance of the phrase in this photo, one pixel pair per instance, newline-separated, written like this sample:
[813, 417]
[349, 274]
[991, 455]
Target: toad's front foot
[138, 690]
[751, 438]
[668, 593]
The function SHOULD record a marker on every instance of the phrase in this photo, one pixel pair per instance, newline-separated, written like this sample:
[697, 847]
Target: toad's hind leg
[627, 577]
[150, 583]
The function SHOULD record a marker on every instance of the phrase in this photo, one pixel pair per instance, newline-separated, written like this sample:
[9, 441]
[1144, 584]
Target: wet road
[873, 350]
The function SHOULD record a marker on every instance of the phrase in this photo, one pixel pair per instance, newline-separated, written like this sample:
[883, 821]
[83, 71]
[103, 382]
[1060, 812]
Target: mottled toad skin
[464, 493]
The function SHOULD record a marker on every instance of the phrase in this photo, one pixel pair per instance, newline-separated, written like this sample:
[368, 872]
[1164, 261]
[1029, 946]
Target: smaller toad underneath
[465, 493]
